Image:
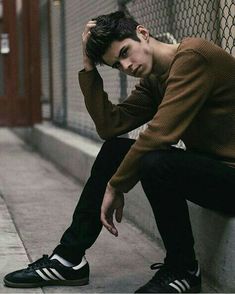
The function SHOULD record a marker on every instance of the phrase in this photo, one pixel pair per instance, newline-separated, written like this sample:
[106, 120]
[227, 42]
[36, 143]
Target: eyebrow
[120, 53]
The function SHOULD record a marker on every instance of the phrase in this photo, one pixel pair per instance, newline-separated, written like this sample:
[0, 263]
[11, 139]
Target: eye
[124, 53]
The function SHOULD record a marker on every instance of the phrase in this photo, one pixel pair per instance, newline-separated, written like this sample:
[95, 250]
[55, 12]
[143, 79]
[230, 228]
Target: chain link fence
[169, 20]
[172, 20]
[213, 20]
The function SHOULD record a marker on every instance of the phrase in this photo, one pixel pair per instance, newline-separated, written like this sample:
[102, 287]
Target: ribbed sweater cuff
[87, 80]
[123, 185]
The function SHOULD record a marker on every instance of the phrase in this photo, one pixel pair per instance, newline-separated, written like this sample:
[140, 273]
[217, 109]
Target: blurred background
[41, 52]
[40, 101]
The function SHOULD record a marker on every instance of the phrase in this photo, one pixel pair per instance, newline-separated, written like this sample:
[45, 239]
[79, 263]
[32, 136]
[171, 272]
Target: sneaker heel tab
[81, 264]
[156, 266]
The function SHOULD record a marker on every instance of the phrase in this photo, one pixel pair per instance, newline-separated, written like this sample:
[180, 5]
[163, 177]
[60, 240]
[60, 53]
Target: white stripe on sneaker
[42, 275]
[81, 264]
[181, 285]
[57, 274]
[198, 271]
[49, 274]
[173, 285]
[186, 283]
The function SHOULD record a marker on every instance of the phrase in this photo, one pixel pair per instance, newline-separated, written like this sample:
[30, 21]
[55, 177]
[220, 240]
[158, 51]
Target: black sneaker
[169, 280]
[46, 272]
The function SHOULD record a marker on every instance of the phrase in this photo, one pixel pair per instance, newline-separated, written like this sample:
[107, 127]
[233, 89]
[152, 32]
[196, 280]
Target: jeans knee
[115, 146]
[109, 145]
[112, 152]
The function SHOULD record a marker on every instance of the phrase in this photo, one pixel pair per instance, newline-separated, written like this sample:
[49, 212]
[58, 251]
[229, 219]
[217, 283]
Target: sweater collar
[164, 76]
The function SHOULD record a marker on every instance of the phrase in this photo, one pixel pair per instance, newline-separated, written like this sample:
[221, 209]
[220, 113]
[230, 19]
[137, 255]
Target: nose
[126, 64]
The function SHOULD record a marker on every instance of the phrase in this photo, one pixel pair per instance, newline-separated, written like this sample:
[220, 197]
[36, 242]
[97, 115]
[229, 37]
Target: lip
[136, 70]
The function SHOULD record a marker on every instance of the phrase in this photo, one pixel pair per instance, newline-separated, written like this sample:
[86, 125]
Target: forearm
[113, 120]
[87, 63]
[97, 103]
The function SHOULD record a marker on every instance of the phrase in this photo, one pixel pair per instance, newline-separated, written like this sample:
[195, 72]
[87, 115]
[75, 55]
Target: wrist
[110, 187]
[88, 67]
[88, 64]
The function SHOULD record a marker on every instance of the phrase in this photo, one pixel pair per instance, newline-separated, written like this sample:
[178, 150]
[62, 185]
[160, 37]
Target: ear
[142, 32]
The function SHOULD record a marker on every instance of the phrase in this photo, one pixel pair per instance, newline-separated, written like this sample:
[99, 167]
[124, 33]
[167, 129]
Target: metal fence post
[63, 63]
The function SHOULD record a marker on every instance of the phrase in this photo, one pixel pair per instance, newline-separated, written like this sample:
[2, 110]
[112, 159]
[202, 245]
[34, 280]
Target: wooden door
[19, 63]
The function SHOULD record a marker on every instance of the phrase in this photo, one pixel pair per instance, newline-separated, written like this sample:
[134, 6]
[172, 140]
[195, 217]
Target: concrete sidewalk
[36, 205]
[11, 248]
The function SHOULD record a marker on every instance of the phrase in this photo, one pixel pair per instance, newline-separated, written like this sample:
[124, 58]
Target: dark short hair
[115, 26]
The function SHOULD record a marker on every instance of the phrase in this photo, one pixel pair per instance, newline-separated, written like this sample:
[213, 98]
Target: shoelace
[164, 275]
[44, 261]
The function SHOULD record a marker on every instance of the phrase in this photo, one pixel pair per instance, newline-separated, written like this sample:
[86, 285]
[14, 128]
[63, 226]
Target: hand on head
[88, 63]
[86, 32]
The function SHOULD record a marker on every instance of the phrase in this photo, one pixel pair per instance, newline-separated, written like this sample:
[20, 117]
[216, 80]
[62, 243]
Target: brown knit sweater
[193, 101]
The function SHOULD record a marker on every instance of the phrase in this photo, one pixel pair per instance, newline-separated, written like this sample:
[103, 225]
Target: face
[131, 57]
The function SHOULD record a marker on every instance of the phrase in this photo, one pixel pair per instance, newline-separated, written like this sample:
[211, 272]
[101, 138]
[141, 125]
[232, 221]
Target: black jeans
[169, 177]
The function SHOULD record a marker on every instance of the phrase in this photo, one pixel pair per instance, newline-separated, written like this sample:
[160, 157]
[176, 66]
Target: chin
[145, 74]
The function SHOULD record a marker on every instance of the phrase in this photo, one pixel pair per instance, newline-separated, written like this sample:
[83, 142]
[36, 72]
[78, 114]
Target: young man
[186, 91]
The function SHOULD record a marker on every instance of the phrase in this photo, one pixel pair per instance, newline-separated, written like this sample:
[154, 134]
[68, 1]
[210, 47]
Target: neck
[163, 55]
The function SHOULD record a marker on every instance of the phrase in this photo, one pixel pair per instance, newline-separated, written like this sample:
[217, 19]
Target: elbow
[109, 131]
[104, 134]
